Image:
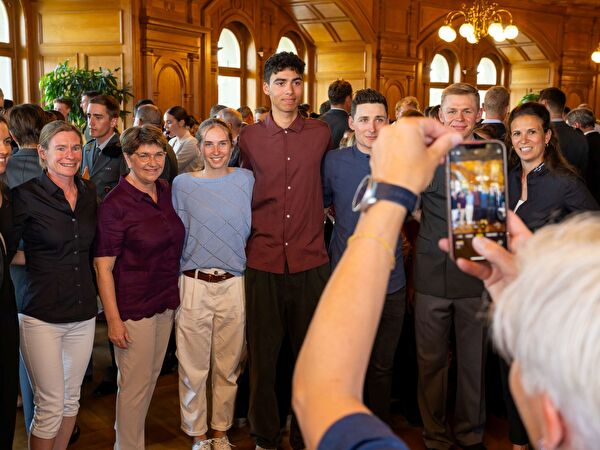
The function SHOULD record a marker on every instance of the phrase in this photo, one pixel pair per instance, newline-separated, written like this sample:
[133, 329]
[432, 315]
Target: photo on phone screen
[476, 178]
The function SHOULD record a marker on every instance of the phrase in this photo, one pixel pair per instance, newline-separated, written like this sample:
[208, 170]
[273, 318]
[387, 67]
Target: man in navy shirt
[343, 170]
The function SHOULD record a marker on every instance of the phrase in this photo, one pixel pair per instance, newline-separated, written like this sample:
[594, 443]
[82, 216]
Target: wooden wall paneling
[172, 61]
[89, 34]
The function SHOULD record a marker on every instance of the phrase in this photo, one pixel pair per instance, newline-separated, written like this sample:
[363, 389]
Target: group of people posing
[235, 257]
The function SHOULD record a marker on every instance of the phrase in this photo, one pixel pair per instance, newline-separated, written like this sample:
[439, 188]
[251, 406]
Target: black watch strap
[396, 194]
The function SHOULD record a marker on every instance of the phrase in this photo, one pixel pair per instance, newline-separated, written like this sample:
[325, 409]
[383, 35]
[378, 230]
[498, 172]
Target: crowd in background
[210, 236]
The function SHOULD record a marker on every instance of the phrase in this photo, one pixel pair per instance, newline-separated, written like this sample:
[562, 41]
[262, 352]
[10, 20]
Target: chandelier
[596, 55]
[481, 19]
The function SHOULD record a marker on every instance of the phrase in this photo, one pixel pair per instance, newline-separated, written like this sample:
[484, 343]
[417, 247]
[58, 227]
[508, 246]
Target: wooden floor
[96, 418]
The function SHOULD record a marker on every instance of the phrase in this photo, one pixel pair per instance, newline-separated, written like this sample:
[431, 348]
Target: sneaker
[202, 445]
[221, 443]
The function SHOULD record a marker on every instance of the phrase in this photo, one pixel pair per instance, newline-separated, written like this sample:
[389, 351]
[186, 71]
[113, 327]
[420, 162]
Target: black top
[337, 119]
[551, 196]
[593, 174]
[8, 307]
[573, 146]
[57, 241]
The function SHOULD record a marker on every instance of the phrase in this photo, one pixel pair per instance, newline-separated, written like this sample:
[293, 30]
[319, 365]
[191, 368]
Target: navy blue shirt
[343, 170]
[360, 432]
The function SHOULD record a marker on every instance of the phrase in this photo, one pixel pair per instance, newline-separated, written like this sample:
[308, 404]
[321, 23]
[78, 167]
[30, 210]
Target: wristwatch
[370, 191]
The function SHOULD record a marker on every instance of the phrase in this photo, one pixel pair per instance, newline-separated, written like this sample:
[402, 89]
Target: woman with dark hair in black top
[543, 188]
[9, 340]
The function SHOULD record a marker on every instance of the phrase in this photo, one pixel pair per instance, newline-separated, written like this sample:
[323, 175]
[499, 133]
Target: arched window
[286, 45]
[4, 25]
[487, 76]
[444, 71]
[6, 53]
[230, 69]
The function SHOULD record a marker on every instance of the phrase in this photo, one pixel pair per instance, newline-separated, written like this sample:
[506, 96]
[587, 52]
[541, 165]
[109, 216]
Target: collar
[273, 128]
[358, 154]
[105, 143]
[26, 150]
[335, 108]
[585, 133]
[185, 137]
[52, 188]
[136, 193]
[492, 121]
[557, 120]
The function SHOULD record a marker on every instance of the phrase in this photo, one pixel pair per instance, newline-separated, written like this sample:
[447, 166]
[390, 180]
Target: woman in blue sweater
[214, 205]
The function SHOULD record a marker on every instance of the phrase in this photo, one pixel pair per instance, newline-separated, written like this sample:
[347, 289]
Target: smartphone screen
[477, 196]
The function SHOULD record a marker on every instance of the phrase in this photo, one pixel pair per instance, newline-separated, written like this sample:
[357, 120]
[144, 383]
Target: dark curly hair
[282, 61]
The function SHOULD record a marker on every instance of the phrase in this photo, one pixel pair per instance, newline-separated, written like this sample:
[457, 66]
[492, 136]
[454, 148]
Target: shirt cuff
[360, 431]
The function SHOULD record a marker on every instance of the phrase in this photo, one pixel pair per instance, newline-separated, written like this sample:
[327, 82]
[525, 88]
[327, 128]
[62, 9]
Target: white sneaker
[221, 443]
[202, 445]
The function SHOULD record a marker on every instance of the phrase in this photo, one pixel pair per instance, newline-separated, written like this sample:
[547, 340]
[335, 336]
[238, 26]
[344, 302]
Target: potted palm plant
[71, 82]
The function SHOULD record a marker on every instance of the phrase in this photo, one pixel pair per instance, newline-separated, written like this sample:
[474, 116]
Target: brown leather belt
[211, 278]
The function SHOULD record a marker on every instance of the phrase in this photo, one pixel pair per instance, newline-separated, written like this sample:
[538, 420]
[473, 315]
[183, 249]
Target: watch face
[364, 195]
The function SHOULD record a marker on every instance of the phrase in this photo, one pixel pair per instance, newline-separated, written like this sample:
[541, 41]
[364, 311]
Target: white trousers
[210, 331]
[139, 366]
[56, 356]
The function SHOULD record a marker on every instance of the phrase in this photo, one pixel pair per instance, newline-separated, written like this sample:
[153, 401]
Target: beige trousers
[210, 331]
[139, 366]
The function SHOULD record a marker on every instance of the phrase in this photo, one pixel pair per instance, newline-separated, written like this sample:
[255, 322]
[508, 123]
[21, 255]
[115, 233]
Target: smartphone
[477, 196]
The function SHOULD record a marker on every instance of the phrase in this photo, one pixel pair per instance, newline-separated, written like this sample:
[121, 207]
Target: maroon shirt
[147, 239]
[287, 203]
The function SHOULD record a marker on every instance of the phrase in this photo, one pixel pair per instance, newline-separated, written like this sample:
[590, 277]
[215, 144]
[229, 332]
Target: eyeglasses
[146, 157]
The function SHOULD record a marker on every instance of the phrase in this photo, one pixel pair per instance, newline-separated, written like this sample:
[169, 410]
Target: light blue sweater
[216, 213]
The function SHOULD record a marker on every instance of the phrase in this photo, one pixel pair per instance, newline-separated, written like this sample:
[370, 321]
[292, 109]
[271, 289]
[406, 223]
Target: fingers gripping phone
[477, 196]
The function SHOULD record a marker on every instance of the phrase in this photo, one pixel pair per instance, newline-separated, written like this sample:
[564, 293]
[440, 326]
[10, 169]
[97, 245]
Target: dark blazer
[337, 119]
[593, 173]
[170, 170]
[435, 272]
[500, 129]
[108, 168]
[573, 145]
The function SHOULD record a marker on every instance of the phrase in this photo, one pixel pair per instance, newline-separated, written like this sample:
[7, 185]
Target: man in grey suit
[340, 97]
[573, 144]
[103, 161]
[446, 296]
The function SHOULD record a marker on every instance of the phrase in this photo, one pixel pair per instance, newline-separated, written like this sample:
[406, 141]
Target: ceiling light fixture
[480, 19]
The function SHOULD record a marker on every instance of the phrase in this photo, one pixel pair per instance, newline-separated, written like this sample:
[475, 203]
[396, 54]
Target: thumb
[442, 144]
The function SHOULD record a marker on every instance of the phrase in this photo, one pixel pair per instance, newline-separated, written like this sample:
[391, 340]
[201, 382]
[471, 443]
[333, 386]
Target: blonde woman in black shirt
[55, 215]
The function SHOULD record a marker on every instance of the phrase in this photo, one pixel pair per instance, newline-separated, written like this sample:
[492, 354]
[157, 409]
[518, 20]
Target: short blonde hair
[52, 129]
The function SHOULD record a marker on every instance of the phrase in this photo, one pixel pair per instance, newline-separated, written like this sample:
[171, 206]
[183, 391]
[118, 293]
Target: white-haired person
[329, 376]
[545, 321]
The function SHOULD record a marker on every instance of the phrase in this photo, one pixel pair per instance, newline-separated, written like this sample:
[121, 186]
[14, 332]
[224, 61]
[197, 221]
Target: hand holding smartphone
[477, 196]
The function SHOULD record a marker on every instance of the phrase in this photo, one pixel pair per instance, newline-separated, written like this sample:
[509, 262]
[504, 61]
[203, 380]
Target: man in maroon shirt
[287, 261]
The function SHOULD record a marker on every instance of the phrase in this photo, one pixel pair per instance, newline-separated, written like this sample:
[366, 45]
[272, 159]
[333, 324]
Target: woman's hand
[117, 333]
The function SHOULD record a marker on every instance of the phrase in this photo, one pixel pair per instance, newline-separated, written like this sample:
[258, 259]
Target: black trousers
[378, 382]
[9, 373]
[276, 305]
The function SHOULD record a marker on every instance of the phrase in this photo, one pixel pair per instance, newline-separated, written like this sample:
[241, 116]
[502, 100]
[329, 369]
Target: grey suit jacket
[23, 166]
[108, 168]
